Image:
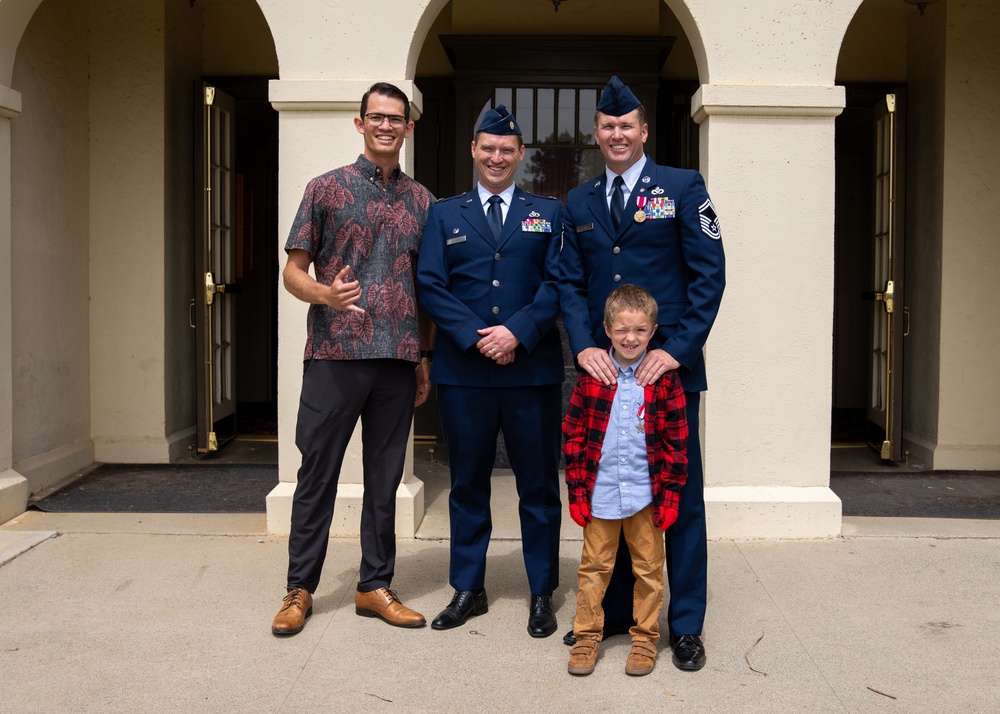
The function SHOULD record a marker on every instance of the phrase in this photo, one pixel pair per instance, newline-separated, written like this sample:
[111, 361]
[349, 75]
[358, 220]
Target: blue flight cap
[499, 122]
[617, 99]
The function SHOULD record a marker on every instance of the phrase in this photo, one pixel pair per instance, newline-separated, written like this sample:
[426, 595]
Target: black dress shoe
[689, 652]
[541, 620]
[610, 630]
[463, 605]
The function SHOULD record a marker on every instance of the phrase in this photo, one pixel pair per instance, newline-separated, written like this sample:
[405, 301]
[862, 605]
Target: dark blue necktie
[494, 214]
[617, 202]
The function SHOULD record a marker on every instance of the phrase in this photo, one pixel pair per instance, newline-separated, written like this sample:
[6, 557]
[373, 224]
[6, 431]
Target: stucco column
[127, 234]
[770, 172]
[13, 486]
[316, 133]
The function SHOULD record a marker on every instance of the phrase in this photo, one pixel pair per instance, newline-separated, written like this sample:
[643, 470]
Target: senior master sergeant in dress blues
[487, 275]
[653, 226]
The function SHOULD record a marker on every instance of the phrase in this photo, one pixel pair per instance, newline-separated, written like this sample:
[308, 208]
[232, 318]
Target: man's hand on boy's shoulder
[654, 365]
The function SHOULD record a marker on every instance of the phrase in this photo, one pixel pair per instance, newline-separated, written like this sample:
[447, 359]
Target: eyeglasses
[394, 119]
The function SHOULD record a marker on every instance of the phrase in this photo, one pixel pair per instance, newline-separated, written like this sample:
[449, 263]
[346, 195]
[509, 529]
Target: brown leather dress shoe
[641, 658]
[583, 656]
[384, 603]
[291, 618]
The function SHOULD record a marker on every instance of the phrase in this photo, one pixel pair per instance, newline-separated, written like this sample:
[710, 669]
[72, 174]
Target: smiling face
[496, 159]
[630, 332]
[383, 141]
[621, 139]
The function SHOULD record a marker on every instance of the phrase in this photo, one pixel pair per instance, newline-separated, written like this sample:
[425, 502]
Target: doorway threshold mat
[930, 494]
[166, 488]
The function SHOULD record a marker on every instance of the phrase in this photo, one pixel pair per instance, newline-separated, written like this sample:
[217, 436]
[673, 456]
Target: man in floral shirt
[360, 227]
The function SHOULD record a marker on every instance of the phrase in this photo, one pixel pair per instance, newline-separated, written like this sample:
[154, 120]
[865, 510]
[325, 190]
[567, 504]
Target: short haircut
[386, 90]
[629, 297]
[642, 115]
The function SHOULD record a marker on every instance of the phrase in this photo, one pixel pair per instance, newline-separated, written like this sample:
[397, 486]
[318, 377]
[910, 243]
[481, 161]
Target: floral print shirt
[355, 216]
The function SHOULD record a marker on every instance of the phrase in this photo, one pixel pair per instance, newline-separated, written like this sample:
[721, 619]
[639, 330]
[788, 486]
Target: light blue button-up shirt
[622, 488]
[507, 195]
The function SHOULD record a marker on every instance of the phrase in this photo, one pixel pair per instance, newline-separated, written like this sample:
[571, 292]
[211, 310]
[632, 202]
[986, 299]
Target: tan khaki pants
[600, 545]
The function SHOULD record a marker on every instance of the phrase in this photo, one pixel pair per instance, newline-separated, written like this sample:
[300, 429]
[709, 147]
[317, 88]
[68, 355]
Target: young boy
[626, 460]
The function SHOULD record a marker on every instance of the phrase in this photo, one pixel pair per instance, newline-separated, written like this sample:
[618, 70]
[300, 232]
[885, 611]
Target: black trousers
[335, 394]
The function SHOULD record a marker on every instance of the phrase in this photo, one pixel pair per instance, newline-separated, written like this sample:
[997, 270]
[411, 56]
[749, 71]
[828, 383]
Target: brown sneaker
[641, 658]
[291, 618]
[384, 603]
[583, 656]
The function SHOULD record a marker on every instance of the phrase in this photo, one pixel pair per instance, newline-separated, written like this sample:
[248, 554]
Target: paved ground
[171, 613]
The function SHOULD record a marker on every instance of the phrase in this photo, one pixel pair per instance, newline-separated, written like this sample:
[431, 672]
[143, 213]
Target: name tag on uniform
[536, 225]
[453, 241]
[585, 227]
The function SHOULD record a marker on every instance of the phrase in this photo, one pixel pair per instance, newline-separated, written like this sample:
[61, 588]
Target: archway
[551, 82]
[102, 215]
[870, 353]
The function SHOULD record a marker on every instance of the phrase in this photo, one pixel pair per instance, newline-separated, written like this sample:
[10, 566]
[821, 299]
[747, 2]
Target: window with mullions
[557, 127]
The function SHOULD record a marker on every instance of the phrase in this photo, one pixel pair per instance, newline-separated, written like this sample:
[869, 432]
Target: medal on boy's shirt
[641, 426]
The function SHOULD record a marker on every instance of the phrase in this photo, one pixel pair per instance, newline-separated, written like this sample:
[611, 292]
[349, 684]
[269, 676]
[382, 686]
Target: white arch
[14, 18]
[745, 49]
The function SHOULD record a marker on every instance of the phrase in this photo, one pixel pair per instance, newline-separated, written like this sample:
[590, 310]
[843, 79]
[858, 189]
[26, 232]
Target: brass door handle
[211, 288]
[886, 296]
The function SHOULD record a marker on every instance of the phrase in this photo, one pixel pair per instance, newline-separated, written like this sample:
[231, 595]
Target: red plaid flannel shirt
[666, 437]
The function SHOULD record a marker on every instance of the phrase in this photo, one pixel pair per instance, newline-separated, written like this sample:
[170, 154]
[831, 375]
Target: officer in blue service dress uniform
[653, 226]
[487, 275]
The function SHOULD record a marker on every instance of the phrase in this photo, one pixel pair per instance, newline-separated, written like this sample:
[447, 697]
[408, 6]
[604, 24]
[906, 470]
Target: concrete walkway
[171, 613]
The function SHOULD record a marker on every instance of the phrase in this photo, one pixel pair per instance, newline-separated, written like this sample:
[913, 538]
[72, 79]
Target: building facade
[846, 144]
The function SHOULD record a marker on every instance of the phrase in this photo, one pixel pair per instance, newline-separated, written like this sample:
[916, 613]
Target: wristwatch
[429, 354]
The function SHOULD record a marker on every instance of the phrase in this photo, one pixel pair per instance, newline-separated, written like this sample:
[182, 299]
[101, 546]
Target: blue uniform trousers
[530, 418]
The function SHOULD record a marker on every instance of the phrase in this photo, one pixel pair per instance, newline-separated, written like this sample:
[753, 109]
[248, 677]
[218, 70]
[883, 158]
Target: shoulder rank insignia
[709, 220]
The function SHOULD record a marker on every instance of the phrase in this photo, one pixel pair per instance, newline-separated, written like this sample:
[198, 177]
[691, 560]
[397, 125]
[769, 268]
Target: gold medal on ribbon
[639, 216]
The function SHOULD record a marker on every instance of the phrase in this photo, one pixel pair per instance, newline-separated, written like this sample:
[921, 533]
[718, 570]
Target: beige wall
[127, 123]
[182, 53]
[13, 485]
[50, 253]
[925, 163]
[969, 416]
